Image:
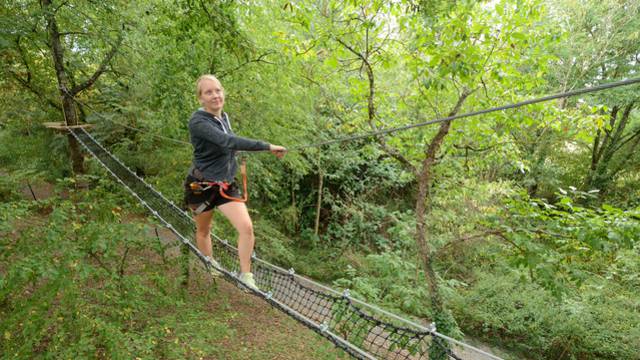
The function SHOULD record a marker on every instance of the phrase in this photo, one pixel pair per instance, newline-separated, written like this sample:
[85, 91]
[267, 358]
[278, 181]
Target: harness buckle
[198, 187]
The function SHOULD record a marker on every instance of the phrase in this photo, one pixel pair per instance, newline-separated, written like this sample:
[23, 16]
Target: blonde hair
[205, 77]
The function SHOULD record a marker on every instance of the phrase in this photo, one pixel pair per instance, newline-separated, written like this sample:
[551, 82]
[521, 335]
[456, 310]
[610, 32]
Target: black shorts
[212, 195]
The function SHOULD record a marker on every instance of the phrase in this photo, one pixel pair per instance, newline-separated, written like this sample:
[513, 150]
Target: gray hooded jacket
[215, 146]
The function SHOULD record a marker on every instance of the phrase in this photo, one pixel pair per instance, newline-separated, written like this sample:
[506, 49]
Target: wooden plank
[62, 126]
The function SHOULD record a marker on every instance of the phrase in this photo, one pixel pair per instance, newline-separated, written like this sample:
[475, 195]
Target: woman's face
[211, 95]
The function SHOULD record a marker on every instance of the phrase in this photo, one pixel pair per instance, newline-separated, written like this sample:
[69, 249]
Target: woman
[214, 147]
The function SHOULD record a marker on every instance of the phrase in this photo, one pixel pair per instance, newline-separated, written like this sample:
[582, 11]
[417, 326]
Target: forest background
[518, 228]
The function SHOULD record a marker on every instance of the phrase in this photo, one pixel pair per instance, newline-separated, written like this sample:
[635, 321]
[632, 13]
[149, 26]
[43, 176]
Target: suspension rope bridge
[362, 330]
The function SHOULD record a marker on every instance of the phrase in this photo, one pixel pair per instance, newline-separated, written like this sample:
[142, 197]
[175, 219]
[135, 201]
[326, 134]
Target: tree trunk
[68, 104]
[441, 316]
[316, 226]
[425, 251]
[70, 115]
[66, 87]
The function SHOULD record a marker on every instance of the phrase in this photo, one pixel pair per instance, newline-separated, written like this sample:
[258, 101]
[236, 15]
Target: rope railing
[392, 130]
[385, 131]
[362, 330]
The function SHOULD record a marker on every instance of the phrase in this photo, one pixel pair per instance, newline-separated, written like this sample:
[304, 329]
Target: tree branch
[469, 147]
[623, 123]
[74, 33]
[23, 57]
[260, 58]
[100, 263]
[372, 114]
[599, 151]
[123, 261]
[470, 237]
[631, 151]
[101, 69]
[396, 155]
[64, 3]
[624, 141]
[352, 50]
[27, 85]
[313, 44]
[444, 127]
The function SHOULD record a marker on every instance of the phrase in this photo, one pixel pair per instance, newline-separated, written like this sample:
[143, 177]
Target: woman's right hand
[277, 150]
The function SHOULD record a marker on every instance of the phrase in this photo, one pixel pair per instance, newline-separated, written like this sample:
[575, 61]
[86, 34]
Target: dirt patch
[261, 331]
[37, 191]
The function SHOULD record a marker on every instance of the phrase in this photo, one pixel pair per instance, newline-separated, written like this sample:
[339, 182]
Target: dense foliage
[518, 228]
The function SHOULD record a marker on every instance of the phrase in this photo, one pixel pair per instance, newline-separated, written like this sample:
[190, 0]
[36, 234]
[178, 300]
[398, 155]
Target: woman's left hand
[278, 150]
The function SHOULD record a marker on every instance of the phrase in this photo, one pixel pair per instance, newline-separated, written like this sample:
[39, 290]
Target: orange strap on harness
[245, 194]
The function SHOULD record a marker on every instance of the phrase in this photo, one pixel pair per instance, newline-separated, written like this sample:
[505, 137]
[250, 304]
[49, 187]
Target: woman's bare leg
[238, 215]
[203, 232]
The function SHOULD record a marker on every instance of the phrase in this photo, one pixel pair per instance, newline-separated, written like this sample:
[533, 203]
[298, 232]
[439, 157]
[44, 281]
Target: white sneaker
[247, 280]
[212, 268]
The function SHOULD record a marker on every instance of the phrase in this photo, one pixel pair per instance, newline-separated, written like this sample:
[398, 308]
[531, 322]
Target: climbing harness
[202, 185]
